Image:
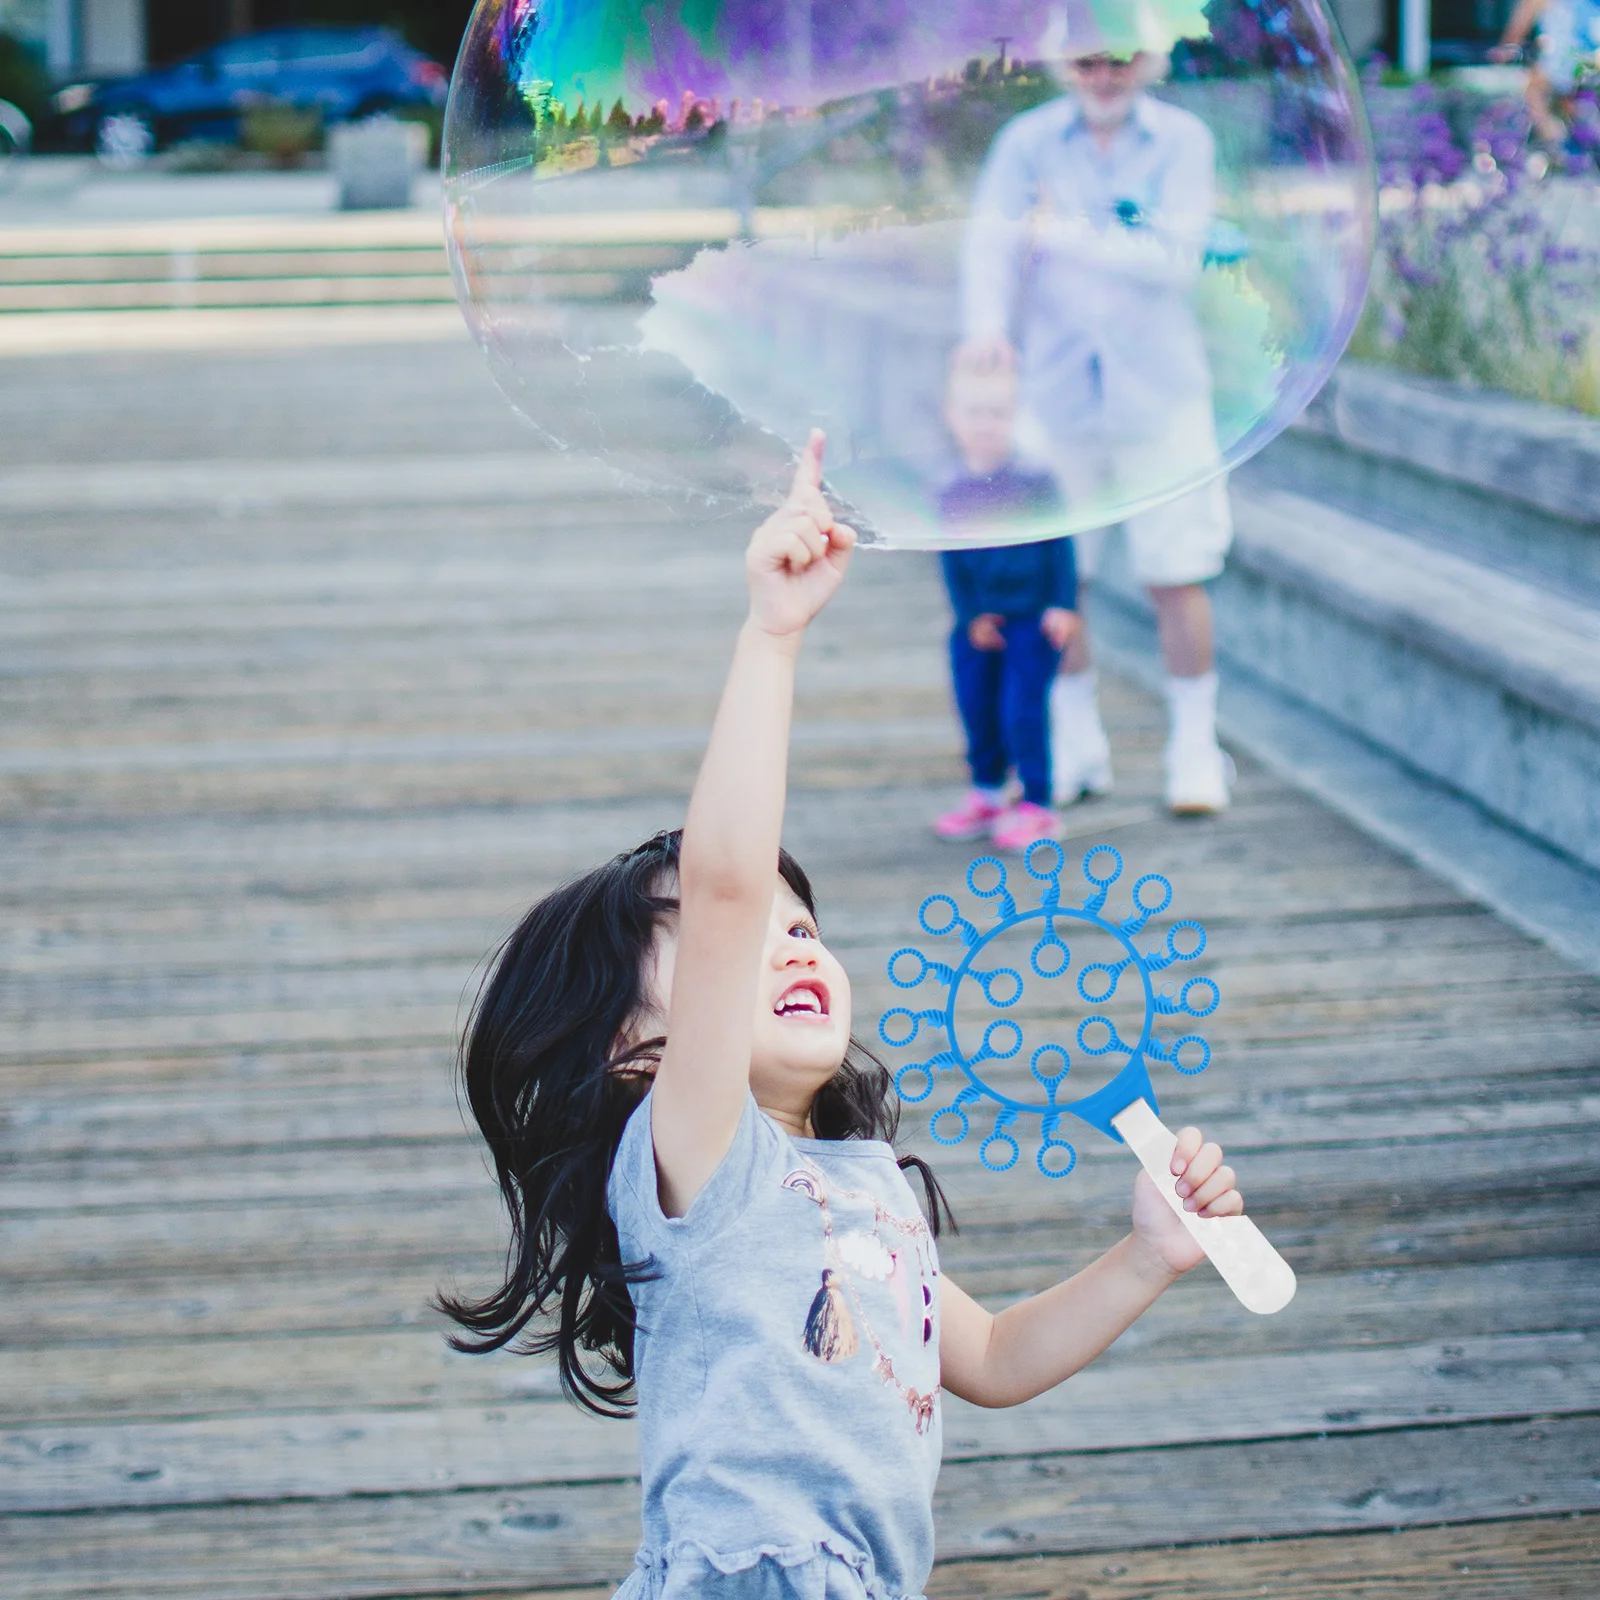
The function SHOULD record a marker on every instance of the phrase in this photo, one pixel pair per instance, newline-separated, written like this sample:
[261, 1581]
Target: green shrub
[282, 131]
[23, 80]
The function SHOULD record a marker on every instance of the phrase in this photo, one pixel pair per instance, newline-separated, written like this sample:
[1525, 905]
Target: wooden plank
[491, 783]
[311, 1297]
[1534, 1559]
[1460, 1166]
[270, 1455]
[98, 892]
[207, 1017]
[93, 940]
[1323, 1484]
[192, 1377]
[439, 956]
[1544, 1559]
[175, 1345]
[1305, 884]
[1409, 1072]
[461, 1231]
[173, 905]
[470, 1541]
[308, 402]
[254, 1116]
[423, 1228]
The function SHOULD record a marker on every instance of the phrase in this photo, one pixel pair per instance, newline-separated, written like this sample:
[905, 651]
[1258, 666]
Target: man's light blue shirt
[1086, 258]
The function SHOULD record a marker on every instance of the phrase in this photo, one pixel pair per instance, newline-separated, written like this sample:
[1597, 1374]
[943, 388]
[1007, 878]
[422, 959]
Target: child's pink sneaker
[1025, 824]
[974, 818]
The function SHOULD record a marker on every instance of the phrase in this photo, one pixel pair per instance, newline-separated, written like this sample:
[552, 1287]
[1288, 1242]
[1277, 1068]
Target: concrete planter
[376, 162]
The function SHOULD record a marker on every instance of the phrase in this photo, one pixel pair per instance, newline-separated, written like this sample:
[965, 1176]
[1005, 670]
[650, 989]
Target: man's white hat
[1121, 28]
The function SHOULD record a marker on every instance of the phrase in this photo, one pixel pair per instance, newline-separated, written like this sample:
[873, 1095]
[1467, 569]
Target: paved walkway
[305, 692]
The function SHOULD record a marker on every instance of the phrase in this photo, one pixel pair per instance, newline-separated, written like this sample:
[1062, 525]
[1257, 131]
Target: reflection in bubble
[1034, 266]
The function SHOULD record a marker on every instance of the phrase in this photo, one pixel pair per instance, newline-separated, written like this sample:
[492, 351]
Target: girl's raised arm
[728, 865]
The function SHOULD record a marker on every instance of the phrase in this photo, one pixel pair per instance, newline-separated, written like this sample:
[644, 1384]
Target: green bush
[1476, 279]
[282, 131]
[23, 80]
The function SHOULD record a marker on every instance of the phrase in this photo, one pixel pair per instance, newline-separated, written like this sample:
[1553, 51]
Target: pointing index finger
[808, 470]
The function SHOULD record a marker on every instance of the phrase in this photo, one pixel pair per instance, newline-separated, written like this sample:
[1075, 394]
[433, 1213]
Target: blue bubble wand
[1124, 1109]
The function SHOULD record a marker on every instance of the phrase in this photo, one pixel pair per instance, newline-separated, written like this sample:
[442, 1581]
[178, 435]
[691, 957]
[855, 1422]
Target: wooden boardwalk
[305, 692]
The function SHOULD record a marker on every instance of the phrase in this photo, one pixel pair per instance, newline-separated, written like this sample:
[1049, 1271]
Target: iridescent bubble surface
[1111, 247]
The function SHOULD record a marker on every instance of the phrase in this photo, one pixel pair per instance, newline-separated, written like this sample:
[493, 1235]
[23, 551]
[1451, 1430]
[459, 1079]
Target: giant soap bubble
[1108, 246]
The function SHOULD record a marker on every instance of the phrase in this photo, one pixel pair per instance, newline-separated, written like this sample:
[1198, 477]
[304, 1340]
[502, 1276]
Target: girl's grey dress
[788, 1371]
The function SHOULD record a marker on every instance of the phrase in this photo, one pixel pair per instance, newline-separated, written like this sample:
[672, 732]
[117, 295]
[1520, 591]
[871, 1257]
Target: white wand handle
[1240, 1251]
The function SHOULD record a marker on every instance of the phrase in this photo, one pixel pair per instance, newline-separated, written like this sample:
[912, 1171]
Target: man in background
[1086, 240]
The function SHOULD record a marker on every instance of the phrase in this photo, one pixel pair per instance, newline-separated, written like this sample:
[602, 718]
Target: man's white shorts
[1182, 541]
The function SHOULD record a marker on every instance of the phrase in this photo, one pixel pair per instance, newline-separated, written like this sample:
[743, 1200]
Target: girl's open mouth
[808, 999]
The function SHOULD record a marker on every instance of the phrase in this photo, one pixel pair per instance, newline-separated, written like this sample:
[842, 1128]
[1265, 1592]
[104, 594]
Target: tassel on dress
[830, 1329]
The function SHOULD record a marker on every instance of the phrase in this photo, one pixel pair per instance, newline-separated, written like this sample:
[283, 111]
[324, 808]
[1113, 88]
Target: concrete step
[393, 259]
[1469, 674]
[162, 266]
[378, 260]
[1511, 483]
[330, 289]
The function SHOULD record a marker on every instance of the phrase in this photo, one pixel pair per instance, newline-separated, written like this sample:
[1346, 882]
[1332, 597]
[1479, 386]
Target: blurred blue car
[346, 72]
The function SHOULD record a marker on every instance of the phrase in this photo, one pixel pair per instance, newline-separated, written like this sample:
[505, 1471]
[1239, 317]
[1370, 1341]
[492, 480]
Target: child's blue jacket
[1012, 580]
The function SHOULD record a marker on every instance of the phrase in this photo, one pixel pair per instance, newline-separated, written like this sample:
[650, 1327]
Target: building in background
[1462, 30]
[99, 37]
[95, 38]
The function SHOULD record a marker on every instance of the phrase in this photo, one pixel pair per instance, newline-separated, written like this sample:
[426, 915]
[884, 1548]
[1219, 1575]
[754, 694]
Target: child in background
[695, 1155]
[1016, 610]
[1569, 47]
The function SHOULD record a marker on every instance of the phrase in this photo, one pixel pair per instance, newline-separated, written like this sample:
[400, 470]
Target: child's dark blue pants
[1002, 696]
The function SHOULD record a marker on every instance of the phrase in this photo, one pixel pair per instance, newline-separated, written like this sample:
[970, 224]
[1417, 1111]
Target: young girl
[703, 1195]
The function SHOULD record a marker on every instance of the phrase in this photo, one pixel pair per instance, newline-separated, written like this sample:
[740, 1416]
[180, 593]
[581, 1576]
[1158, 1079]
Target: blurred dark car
[344, 72]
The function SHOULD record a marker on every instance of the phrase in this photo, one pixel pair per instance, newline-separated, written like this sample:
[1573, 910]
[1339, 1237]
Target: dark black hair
[551, 1092]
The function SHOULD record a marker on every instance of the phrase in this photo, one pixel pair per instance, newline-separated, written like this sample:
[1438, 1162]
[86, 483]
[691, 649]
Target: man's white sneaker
[1199, 777]
[1080, 753]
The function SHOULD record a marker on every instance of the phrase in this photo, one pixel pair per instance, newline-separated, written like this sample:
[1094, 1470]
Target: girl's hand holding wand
[1004, 1359]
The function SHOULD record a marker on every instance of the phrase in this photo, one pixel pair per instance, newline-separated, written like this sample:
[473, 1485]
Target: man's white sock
[1192, 709]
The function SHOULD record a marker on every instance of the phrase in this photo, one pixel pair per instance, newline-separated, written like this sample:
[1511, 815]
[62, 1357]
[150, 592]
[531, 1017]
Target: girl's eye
[801, 931]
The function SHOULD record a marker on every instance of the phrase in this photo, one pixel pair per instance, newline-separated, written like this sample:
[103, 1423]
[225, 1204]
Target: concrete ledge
[1470, 676]
[1540, 646]
[1547, 895]
[1555, 552]
[1543, 456]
